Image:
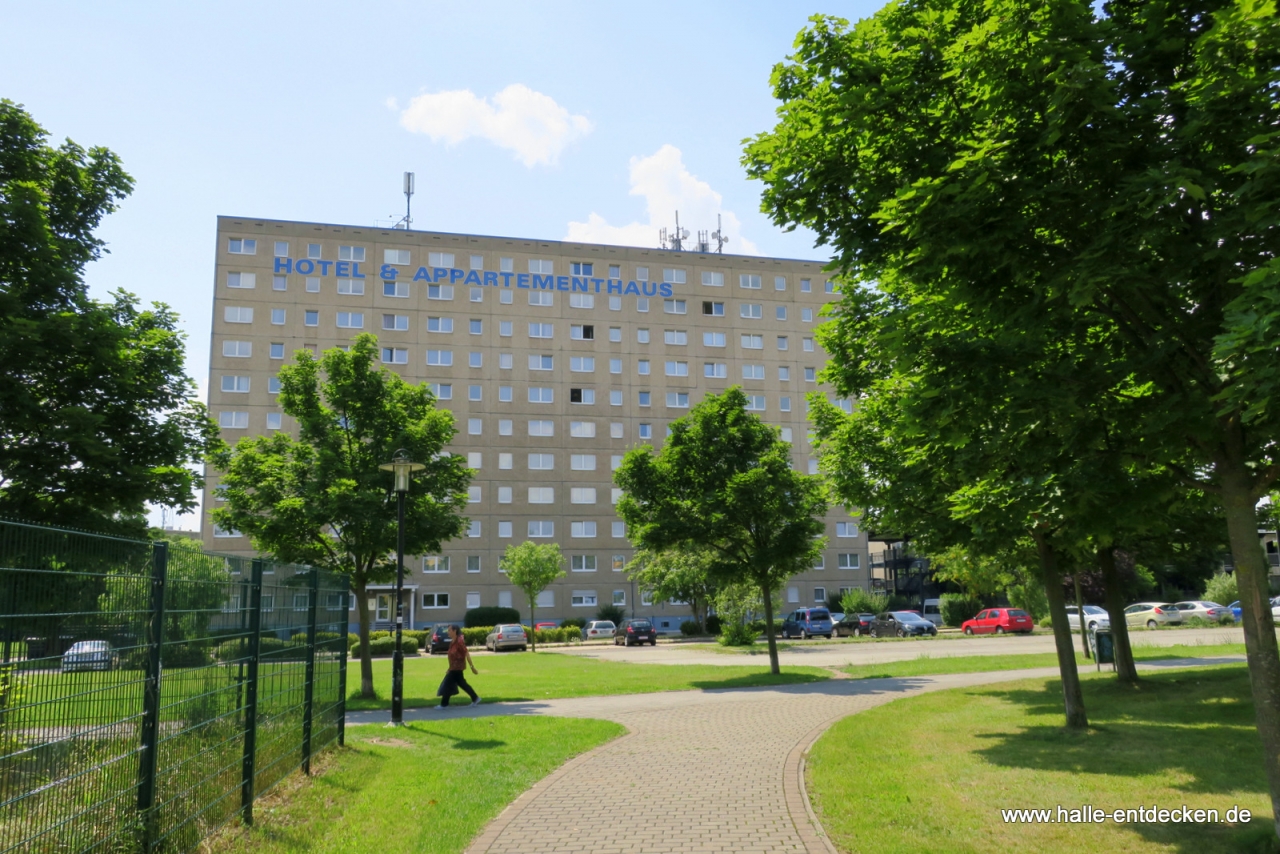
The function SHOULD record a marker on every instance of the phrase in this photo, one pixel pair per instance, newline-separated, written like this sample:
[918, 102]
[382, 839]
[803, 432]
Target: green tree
[678, 576]
[532, 567]
[97, 415]
[724, 482]
[320, 499]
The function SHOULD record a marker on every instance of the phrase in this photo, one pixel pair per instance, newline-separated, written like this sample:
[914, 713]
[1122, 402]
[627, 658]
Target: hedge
[956, 608]
[387, 645]
[489, 616]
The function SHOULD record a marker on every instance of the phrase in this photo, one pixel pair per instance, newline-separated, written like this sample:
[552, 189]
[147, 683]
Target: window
[674, 276]
[750, 310]
[714, 280]
[582, 462]
[642, 367]
[615, 366]
[442, 391]
[820, 562]
[713, 309]
[350, 253]
[504, 328]
[313, 251]
[395, 322]
[806, 286]
[273, 420]
[477, 295]
[578, 300]
[504, 598]
[238, 385]
[275, 350]
[830, 287]
[645, 431]
[395, 356]
[474, 392]
[279, 283]
[583, 599]
[583, 563]
[542, 462]
[350, 320]
[442, 358]
[580, 268]
[642, 303]
[675, 336]
[678, 399]
[749, 281]
[440, 324]
[755, 403]
[784, 373]
[808, 345]
[784, 404]
[793, 594]
[504, 461]
[674, 306]
[504, 492]
[475, 459]
[781, 312]
[642, 336]
[642, 274]
[273, 385]
[615, 304]
[643, 398]
[435, 563]
[475, 426]
[615, 334]
[477, 262]
[677, 369]
[615, 462]
[541, 362]
[582, 333]
[820, 595]
[813, 466]
[351, 287]
[582, 495]
[473, 528]
[440, 259]
[505, 361]
[616, 430]
[847, 561]
[541, 394]
[282, 249]
[239, 246]
[582, 429]
[615, 271]
[239, 349]
[753, 342]
[439, 291]
[713, 339]
[504, 394]
[542, 495]
[277, 316]
[475, 326]
[582, 364]
[435, 600]
[504, 529]
[504, 426]
[475, 360]
[541, 330]
[399, 257]
[615, 495]
[544, 298]
[810, 375]
[846, 529]
[786, 434]
[241, 280]
[753, 372]
[615, 397]
[542, 428]
[582, 395]
[237, 314]
[474, 494]
[310, 318]
[399, 290]
[542, 528]
[646, 598]
[541, 265]
[619, 530]
[806, 315]
[506, 265]
[228, 532]
[582, 530]
[715, 370]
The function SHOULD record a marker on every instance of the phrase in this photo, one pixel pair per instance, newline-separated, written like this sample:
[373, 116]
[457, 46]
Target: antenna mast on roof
[408, 199]
[718, 236]
[674, 240]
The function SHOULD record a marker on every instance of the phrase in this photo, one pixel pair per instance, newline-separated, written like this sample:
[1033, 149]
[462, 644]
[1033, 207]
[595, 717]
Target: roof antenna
[408, 199]
[674, 240]
[718, 236]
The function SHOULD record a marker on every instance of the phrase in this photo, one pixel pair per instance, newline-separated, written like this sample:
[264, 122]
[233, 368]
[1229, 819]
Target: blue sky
[554, 120]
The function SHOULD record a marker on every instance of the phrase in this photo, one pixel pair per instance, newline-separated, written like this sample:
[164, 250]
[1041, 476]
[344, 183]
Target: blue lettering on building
[522, 280]
[547, 283]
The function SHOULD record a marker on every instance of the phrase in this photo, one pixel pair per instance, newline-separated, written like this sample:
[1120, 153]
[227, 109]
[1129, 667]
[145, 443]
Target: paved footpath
[740, 787]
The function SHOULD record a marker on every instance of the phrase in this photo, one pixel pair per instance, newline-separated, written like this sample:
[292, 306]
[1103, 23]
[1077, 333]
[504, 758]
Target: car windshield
[640, 624]
[605, 624]
[1088, 609]
[88, 646]
[819, 614]
[909, 617]
[511, 628]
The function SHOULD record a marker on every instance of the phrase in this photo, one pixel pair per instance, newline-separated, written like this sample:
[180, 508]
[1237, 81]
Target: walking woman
[456, 677]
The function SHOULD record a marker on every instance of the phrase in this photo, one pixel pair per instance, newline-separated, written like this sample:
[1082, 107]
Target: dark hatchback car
[438, 640]
[635, 630]
[854, 625]
[901, 624]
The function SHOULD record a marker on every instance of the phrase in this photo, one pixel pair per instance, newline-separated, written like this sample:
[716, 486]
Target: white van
[933, 611]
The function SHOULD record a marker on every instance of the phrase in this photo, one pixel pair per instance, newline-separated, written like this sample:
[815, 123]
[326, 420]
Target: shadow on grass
[758, 680]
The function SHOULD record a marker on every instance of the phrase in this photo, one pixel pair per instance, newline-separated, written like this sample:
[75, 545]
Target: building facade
[554, 358]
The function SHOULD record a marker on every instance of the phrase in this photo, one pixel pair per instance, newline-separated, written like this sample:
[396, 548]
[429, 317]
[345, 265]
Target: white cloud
[666, 186]
[529, 123]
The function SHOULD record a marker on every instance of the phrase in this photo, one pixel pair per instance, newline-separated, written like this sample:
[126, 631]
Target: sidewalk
[698, 771]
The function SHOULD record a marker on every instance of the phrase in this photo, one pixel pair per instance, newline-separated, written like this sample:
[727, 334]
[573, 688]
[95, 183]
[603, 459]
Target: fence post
[309, 690]
[342, 666]
[148, 756]
[248, 765]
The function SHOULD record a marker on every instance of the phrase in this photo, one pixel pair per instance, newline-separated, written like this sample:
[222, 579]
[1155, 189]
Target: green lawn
[525, 676]
[927, 665]
[424, 788]
[932, 772]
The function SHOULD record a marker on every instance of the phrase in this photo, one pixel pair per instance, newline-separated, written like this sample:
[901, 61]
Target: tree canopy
[532, 567]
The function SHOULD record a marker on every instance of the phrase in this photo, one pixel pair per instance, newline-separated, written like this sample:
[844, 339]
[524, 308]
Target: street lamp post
[403, 467]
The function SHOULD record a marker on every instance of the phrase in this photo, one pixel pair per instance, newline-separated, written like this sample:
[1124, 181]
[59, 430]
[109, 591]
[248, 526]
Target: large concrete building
[555, 359]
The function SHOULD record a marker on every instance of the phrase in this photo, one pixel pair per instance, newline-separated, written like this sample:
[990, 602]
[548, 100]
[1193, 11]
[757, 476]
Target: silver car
[1203, 609]
[90, 655]
[507, 637]
[1095, 618]
[598, 630]
[1153, 615]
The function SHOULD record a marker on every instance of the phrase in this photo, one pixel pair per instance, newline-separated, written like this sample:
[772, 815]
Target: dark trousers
[453, 680]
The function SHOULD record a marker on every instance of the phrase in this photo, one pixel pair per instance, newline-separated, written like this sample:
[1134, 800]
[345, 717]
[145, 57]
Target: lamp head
[402, 467]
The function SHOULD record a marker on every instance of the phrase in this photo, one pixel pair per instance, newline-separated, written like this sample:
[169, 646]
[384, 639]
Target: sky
[581, 121]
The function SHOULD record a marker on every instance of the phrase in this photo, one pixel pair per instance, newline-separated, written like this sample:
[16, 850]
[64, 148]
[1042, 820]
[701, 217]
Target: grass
[926, 665]
[528, 677]
[424, 788]
[932, 772]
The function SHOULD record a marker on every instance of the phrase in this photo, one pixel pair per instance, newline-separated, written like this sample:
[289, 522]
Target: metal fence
[149, 691]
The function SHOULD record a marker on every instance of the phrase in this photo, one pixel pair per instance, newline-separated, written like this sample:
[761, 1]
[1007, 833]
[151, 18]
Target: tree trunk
[1072, 697]
[768, 630]
[1126, 670]
[1084, 633]
[533, 625]
[366, 657]
[1239, 502]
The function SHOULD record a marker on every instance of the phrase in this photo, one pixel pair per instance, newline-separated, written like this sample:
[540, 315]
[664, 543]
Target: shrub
[489, 615]
[689, 628]
[574, 622]
[896, 603]
[379, 634]
[1046, 623]
[1222, 588]
[612, 613]
[186, 654]
[738, 634]
[713, 625]
[1198, 623]
[1226, 620]
[956, 608]
[382, 646]
[474, 635]
[1031, 598]
[859, 601]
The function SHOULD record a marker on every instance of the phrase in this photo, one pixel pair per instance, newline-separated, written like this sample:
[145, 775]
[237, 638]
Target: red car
[550, 625]
[998, 621]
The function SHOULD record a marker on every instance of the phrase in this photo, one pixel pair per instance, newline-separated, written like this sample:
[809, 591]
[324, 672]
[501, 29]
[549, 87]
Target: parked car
[806, 622]
[1152, 615]
[1234, 607]
[998, 621]
[90, 655]
[836, 616]
[902, 624]
[933, 611]
[1095, 618]
[599, 629]
[856, 625]
[636, 630]
[438, 640]
[1205, 610]
[507, 636]
[548, 624]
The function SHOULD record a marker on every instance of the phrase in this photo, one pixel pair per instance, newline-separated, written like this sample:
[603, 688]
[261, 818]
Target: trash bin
[1104, 648]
